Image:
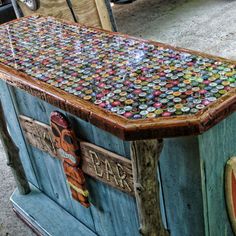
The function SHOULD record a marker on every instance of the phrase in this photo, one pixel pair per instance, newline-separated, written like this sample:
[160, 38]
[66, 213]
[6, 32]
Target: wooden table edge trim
[121, 127]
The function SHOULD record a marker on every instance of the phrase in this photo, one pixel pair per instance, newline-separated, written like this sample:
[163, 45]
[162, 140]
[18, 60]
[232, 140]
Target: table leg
[13, 158]
[145, 155]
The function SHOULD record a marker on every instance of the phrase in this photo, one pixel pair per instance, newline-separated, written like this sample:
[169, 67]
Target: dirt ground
[203, 25]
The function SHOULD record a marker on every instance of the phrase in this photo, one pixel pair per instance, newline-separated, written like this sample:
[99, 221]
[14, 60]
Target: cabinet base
[46, 217]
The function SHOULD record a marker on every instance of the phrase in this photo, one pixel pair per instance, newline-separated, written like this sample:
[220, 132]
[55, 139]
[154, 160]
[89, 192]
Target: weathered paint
[50, 214]
[111, 210]
[181, 181]
[15, 130]
[97, 162]
[191, 172]
[216, 147]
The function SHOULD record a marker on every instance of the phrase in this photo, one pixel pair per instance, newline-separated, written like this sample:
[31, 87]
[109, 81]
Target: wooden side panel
[181, 183]
[112, 212]
[56, 8]
[51, 175]
[51, 215]
[16, 132]
[98, 162]
[120, 208]
[217, 146]
[41, 172]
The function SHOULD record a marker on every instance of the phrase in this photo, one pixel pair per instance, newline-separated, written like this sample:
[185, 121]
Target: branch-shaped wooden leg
[145, 155]
[13, 158]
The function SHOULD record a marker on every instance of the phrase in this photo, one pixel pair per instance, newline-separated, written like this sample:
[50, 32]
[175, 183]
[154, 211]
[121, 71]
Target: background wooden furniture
[95, 13]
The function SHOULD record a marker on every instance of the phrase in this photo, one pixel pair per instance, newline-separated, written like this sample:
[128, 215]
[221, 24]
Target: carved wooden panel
[38, 134]
[99, 163]
[107, 167]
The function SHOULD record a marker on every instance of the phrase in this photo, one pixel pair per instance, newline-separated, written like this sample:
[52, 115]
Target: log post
[12, 154]
[145, 155]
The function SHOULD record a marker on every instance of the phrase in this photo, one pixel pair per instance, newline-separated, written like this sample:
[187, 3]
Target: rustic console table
[123, 98]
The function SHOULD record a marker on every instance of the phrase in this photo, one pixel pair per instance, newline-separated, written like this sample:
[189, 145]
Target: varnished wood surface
[120, 126]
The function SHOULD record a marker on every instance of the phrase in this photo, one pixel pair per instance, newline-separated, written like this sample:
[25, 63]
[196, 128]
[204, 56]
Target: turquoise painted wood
[192, 175]
[15, 130]
[113, 212]
[216, 147]
[50, 214]
[191, 172]
[181, 178]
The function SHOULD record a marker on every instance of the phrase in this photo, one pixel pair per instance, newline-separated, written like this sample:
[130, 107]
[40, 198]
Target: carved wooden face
[76, 180]
[68, 148]
[64, 138]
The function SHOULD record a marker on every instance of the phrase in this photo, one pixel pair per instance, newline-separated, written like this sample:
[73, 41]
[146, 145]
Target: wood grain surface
[99, 163]
[89, 12]
[107, 203]
[13, 156]
[56, 8]
[103, 15]
[46, 216]
[180, 176]
[14, 128]
[216, 147]
[107, 167]
[145, 156]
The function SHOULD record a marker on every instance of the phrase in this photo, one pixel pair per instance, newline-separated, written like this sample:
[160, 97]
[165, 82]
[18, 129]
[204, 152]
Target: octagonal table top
[132, 88]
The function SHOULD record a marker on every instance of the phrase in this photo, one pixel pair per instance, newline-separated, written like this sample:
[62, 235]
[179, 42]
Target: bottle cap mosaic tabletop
[130, 87]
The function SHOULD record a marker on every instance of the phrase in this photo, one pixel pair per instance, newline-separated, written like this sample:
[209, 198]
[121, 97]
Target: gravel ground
[204, 25]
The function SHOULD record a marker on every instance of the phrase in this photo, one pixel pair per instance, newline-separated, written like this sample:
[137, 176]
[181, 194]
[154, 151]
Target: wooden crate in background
[96, 13]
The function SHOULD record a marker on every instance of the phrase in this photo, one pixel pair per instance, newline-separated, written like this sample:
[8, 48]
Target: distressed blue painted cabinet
[188, 103]
[112, 212]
